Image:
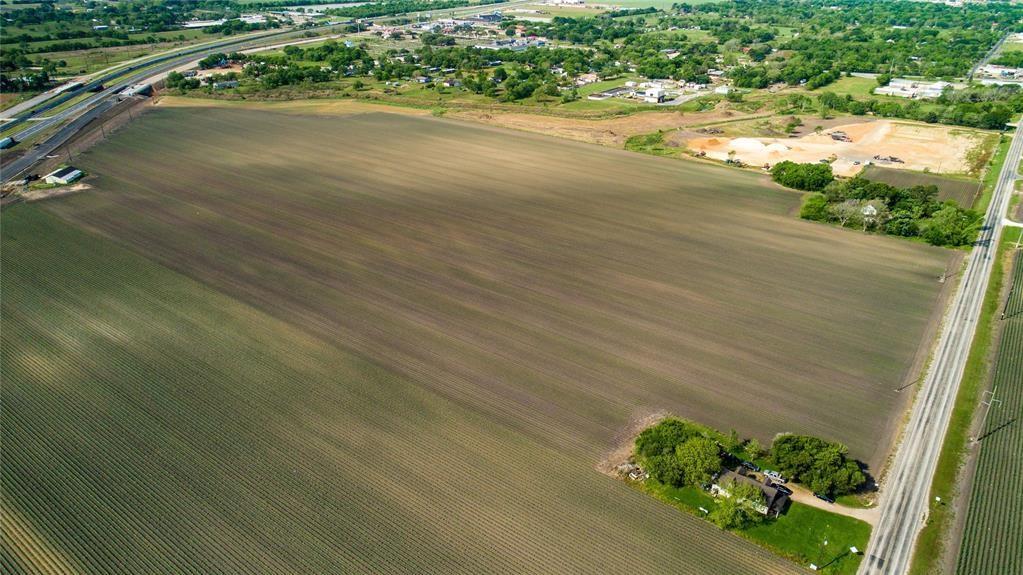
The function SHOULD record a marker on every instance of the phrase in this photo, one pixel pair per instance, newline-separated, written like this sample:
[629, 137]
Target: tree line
[681, 453]
[876, 206]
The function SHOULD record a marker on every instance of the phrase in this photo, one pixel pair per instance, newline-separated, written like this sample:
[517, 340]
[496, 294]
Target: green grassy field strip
[963, 191]
[652, 144]
[991, 540]
[934, 535]
[799, 534]
[164, 427]
[991, 175]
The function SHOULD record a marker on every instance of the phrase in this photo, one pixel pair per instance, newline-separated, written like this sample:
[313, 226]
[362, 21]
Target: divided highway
[906, 492]
[81, 113]
[184, 55]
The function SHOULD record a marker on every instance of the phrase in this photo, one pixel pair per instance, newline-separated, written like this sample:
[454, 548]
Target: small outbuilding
[63, 176]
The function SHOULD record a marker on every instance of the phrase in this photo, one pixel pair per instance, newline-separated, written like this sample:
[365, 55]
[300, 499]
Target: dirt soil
[626, 439]
[935, 148]
[806, 497]
[609, 132]
[44, 194]
[333, 107]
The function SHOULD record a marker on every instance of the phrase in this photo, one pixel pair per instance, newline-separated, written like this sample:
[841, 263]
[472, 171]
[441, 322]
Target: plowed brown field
[394, 344]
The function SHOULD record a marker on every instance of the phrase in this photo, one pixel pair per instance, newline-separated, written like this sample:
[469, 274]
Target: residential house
[775, 500]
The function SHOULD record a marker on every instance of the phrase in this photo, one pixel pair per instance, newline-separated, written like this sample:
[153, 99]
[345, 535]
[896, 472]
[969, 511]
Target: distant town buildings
[913, 89]
[246, 18]
[515, 45]
[993, 74]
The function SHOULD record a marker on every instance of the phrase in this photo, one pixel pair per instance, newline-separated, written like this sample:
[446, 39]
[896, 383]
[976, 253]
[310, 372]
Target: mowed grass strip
[991, 539]
[154, 425]
[558, 287]
[963, 191]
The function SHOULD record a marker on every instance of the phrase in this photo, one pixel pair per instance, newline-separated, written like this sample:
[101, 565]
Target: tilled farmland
[391, 344]
[991, 537]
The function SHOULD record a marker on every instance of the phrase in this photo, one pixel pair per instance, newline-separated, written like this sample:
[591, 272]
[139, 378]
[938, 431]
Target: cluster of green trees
[1012, 59]
[906, 212]
[821, 465]
[524, 73]
[681, 453]
[635, 43]
[585, 30]
[31, 82]
[824, 38]
[807, 177]
[178, 81]
[986, 107]
[47, 22]
[295, 65]
[808, 42]
[678, 453]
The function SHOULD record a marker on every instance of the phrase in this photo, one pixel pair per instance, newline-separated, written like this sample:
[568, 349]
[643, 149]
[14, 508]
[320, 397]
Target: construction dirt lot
[920, 147]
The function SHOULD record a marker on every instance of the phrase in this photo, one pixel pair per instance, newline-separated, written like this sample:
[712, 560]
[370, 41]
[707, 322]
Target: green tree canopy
[809, 177]
[819, 464]
[738, 509]
[700, 459]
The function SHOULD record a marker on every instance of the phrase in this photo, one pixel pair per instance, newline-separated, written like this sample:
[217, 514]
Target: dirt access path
[806, 497]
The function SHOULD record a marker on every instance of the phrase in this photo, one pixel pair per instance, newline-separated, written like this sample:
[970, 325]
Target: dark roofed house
[775, 500]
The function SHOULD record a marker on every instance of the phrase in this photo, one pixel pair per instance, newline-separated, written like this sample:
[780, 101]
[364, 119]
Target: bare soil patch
[541, 273]
[938, 149]
[328, 107]
[607, 132]
[625, 441]
[48, 193]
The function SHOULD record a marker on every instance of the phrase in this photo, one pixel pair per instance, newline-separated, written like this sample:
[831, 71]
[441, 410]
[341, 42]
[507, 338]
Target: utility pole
[1012, 287]
[990, 395]
[1008, 298]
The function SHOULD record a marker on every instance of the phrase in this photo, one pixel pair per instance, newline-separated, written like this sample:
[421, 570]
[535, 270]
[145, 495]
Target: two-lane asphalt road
[906, 493]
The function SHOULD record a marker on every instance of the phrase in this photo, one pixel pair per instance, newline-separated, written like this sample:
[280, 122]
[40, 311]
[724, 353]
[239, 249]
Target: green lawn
[854, 501]
[560, 11]
[853, 86]
[991, 175]
[662, 4]
[810, 535]
[803, 534]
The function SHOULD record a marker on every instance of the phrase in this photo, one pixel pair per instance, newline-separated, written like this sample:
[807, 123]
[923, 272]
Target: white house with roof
[63, 176]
